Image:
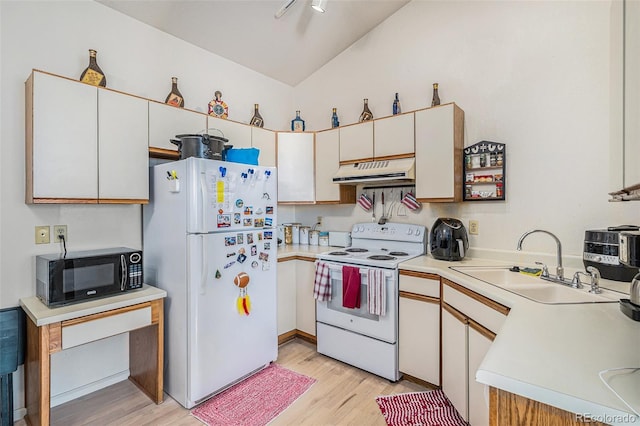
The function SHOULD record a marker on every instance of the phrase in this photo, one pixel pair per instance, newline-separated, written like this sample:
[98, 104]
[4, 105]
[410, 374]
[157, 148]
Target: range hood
[399, 170]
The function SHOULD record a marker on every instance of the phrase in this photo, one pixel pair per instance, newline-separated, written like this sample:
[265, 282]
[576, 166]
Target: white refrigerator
[210, 242]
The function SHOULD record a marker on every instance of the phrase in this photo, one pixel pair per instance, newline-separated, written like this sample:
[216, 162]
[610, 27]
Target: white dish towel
[376, 292]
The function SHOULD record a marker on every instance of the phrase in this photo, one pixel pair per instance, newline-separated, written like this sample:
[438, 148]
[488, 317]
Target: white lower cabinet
[470, 322]
[479, 341]
[296, 305]
[305, 303]
[286, 296]
[455, 363]
[419, 326]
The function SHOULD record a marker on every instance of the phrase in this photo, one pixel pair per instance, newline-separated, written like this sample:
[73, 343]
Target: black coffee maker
[449, 240]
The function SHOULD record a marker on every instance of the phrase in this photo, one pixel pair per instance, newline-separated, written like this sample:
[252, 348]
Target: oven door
[359, 320]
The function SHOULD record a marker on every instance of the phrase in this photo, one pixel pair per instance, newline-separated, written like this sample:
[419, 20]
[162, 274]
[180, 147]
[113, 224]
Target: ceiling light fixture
[319, 5]
[285, 6]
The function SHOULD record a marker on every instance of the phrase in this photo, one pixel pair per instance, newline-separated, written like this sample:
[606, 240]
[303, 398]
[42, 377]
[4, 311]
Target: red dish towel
[322, 284]
[350, 287]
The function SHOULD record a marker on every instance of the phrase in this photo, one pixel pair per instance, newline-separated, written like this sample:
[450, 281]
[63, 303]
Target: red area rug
[431, 408]
[256, 400]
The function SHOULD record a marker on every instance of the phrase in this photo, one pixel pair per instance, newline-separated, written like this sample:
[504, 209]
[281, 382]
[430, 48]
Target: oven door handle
[362, 270]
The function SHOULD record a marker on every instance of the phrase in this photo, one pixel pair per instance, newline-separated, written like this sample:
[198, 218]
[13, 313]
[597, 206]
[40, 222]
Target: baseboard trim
[88, 388]
[419, 381]
[290, 335]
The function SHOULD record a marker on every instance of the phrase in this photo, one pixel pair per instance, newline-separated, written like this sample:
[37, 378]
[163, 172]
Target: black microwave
[81, 276]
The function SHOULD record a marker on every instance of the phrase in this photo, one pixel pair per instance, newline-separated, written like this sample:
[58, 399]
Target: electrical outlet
[319, 220]
[474, 227]
[58, 231]
[42, 234]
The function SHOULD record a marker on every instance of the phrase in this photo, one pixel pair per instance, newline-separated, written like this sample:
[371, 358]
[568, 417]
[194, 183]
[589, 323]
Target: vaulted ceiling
[288, 49]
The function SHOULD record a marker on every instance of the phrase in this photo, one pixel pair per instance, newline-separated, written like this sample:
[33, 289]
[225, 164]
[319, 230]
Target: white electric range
[355, 335]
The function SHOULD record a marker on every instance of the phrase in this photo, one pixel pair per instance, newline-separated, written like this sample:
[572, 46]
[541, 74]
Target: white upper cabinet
[61, 139]
[632, 93]
[265, 141]
[394, 136]
[123, 153]
[439, 141]
[166, 122]
[239, 134]
[356, 142]
[327, 163]
[296, 168]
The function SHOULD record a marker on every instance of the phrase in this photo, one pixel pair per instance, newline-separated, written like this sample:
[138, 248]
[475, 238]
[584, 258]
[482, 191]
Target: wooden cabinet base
[146, 357]
[508, 409]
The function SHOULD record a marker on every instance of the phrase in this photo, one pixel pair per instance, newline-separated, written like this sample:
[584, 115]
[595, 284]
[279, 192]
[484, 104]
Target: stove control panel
[389, 231]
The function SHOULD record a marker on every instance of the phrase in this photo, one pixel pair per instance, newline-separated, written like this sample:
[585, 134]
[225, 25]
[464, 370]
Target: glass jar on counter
[314, 237]
[323, 239]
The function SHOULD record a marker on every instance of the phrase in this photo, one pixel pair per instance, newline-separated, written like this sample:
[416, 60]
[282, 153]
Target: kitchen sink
[535, 288]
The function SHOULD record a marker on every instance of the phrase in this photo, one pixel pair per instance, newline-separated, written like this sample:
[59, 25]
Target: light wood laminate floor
[342, 395]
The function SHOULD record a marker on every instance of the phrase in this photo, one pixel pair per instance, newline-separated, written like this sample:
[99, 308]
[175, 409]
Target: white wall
[55, 36]
[531, 74]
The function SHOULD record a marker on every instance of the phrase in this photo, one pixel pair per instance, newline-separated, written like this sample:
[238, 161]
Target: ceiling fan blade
[283, 9]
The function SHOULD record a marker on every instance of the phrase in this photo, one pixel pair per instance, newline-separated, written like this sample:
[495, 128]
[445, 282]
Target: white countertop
[41, 315]
[290, 250]
[554, 353]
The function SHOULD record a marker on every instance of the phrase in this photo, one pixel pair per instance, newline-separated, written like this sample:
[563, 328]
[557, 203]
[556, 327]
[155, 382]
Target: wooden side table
[52, 330]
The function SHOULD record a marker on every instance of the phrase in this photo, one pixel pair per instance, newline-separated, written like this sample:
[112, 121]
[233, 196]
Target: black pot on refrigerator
[449, 239]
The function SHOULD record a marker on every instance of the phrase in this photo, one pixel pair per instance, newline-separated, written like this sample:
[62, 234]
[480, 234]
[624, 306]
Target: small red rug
[256, 400]
[431, 408]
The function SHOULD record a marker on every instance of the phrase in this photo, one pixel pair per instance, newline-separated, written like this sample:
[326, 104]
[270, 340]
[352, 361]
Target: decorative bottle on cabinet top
[218, 107]
[93, 75]
[366, 112]
[435, 101]
[256, 120]
[334, 119]
[396, 106]
[297, 124]
[174, 97]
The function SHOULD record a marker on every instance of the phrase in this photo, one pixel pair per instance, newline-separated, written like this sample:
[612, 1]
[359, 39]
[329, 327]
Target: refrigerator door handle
[205, 265]
[203, 200]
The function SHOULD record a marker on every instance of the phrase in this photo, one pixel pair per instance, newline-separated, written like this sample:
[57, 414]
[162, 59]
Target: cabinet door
[631, 93]
[265, 141]
[419, 337]
[454, 359]
[123, 153]
[327, 163]
[239, 134]
[286, 296]
[479, 341]
[439, 141]
[296, 182]
[394, 136]
[62, 138]
[356, 142]
[166, 121]
[305, 303]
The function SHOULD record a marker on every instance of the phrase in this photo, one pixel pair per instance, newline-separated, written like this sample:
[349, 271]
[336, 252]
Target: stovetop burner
[381, 257]
[339, 253]
[398, 253]
[356, 250]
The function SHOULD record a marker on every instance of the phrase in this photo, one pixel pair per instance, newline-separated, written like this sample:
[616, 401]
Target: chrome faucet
[593, 274]
[559, 268]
